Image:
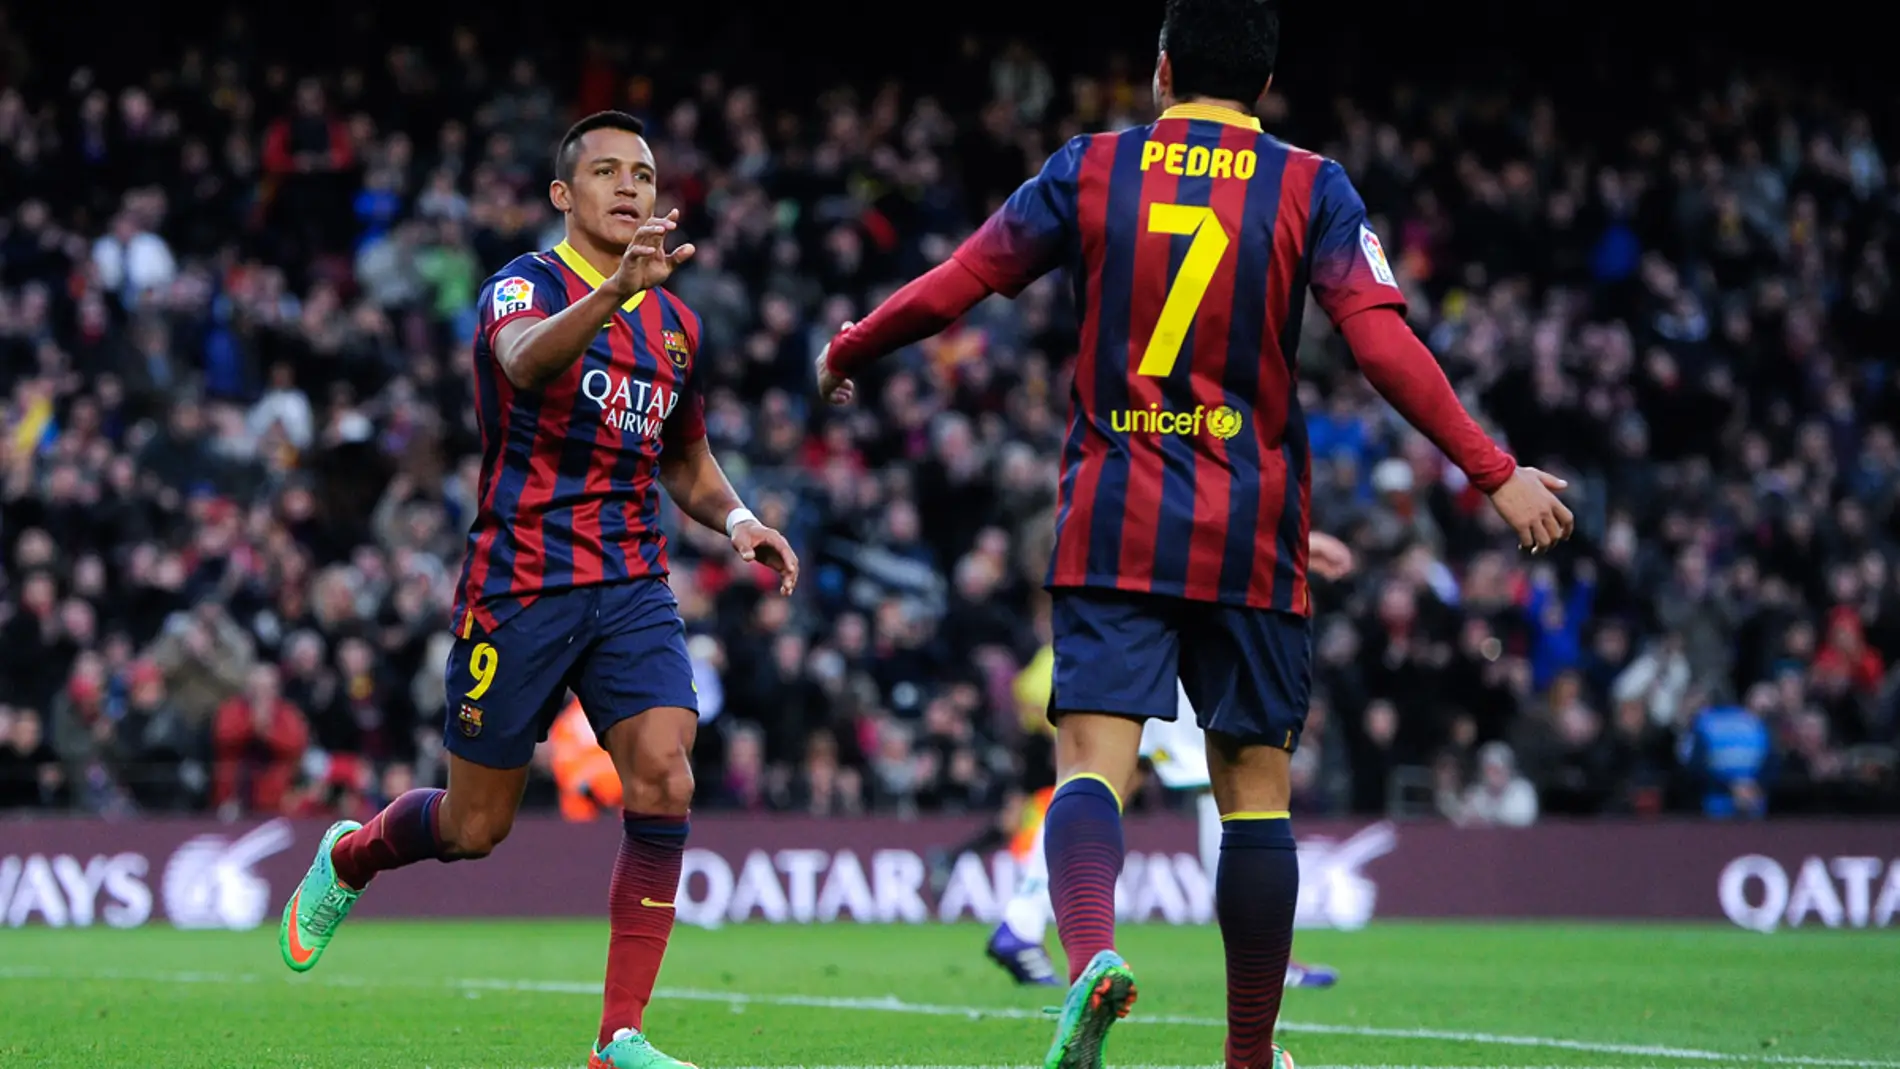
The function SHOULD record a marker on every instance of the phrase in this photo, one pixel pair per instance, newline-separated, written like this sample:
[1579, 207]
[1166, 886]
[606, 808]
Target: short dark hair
[567, 156]
[1224, 49]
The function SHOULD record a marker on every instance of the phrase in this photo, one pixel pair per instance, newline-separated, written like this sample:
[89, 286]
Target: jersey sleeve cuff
[840, 358]
[1493, 478]
[494, 328]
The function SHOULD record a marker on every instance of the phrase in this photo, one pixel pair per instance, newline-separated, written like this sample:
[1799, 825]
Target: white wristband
[736, 517]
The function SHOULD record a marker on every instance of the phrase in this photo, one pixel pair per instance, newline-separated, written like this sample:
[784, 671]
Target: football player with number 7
[1182, 515]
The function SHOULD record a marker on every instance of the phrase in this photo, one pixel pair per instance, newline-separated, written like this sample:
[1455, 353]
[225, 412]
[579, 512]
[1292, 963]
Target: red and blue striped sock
[1255, 890]
[404, 833]
[1082, 839]
[640, 915]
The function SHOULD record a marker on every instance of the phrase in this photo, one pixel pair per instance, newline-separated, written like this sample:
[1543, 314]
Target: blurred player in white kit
[1177, 751]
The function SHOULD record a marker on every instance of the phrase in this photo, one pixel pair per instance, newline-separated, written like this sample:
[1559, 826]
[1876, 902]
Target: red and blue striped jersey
[1191, 243]
[569, 493]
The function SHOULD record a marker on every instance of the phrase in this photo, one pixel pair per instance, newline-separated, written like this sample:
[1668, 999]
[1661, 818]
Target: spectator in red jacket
[1848, 654]
[258, 740]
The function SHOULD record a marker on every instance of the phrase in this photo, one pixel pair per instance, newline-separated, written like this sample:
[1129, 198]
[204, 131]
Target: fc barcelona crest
[676, 348]
[471, 719]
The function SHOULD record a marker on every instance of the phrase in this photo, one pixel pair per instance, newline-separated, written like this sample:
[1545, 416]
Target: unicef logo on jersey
[1222, 422]
[634, 406]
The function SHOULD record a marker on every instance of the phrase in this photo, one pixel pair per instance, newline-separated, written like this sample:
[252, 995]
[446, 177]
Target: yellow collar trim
[1212, 114]
[593, 278]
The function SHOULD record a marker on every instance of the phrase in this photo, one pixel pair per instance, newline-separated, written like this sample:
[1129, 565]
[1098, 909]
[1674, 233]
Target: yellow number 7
[1190, 282]
[482, 662]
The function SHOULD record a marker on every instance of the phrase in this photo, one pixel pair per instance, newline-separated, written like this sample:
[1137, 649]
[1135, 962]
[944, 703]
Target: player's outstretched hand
[757, 542]
[1328, 556]
[1529, 505]
[646, 263]
[834, 388]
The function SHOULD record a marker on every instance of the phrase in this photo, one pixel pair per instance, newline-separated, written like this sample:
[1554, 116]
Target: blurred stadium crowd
[238, 450]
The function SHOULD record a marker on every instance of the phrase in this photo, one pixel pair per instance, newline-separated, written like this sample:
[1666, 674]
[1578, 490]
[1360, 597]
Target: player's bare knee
[1248, 776]
[660, 783]
[1097, 744]
[653, 753]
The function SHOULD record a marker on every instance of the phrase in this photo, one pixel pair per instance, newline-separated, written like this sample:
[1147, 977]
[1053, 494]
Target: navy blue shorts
[620, 646]
[1248, 672]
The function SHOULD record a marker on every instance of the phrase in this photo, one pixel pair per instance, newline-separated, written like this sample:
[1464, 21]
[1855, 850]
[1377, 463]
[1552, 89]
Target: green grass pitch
[524, 996]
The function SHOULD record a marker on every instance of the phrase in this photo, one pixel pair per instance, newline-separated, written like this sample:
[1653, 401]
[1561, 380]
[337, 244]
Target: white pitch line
[893, 1004]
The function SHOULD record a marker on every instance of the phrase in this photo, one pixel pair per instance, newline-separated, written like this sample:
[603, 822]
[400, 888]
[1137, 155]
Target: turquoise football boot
[630, 1050]
[318, 907]
[1101, 996]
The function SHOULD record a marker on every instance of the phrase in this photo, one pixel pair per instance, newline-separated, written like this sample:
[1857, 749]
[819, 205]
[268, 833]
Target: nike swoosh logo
[651, 904]
[298, 952]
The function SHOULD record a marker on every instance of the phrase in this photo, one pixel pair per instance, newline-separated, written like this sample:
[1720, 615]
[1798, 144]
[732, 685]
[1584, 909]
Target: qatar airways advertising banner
[801, 870]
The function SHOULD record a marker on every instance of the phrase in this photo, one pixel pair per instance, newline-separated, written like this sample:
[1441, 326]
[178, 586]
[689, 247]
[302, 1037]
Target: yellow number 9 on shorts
[482, 662]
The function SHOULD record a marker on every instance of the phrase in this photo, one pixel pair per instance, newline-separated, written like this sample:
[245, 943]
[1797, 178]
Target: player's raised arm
[1024, 240]
[534, 351]
[926, 305]
[1353, 281]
